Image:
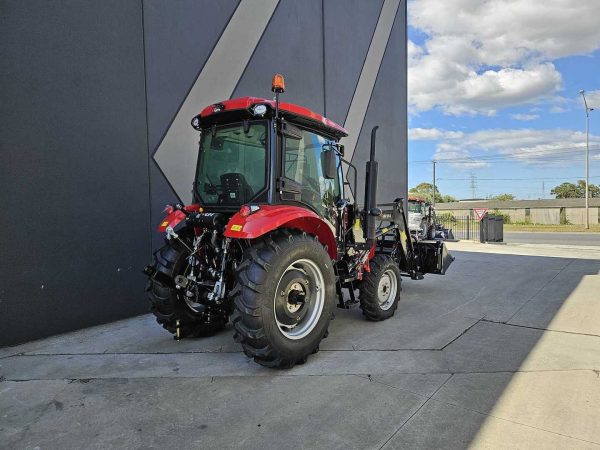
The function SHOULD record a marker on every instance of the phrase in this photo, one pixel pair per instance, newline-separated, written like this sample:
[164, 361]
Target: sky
[493, 94]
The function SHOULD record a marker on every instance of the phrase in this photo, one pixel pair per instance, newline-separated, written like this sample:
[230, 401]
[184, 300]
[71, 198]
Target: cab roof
[295, 113]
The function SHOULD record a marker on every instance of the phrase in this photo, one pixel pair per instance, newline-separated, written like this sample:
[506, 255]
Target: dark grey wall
[73, 165]
[89, 90]
[346, 21]
[292, 45]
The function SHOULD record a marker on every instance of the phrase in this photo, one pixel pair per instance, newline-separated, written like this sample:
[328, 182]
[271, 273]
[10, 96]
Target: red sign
[480, 212]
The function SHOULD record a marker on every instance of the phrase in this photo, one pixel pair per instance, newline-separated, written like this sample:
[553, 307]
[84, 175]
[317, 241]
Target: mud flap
[434, 256]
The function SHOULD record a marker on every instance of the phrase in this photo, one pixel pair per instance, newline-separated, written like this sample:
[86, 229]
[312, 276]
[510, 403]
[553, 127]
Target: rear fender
[175, 216]
[273, 217]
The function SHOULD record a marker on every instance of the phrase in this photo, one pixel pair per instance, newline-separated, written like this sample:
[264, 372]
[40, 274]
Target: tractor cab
[256, 151]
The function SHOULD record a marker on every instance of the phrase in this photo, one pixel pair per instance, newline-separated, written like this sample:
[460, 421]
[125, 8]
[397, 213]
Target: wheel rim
[299, 299]
[387, 289]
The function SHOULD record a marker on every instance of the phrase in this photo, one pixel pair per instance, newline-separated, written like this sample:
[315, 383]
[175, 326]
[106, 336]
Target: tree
[566, 190]
[425, 190]
[504, 197]
[572, 190]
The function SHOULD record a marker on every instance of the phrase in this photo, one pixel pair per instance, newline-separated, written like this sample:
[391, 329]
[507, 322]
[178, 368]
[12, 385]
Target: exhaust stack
[371, 211]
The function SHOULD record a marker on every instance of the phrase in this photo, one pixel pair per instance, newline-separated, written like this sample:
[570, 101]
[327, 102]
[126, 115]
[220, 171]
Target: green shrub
[446, 217]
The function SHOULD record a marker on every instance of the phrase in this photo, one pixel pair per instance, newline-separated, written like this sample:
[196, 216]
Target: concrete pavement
[503, 352]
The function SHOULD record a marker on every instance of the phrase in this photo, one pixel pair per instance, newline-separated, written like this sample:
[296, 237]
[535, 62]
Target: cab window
[302, 163]
[414, 207]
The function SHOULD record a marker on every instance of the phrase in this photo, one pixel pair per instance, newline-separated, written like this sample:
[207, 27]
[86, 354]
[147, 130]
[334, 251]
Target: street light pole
[587, 160]
[433, 197]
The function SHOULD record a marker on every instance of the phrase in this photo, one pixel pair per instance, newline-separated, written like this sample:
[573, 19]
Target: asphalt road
[559, 238]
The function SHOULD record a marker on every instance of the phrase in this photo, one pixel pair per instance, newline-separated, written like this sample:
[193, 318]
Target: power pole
[587, 159]
[433, 196]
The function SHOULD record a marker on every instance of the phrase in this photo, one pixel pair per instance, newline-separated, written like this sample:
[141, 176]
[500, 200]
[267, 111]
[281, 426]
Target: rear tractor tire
[166, 303]
[380, 289]
[283, 299]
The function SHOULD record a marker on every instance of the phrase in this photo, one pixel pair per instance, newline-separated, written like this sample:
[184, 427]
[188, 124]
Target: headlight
[259, 110]
[196, 122]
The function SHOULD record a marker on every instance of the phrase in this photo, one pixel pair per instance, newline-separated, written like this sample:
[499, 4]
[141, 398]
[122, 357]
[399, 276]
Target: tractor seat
[236, 190]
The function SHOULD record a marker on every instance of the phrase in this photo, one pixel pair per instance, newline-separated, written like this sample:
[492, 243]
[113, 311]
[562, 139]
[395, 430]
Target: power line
[511, 179]
[502, 161]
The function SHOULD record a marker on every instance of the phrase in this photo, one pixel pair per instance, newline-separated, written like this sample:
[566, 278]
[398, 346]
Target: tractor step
[346, 304]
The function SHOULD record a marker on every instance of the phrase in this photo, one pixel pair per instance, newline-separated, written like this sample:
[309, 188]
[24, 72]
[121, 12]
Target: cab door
[302, 164]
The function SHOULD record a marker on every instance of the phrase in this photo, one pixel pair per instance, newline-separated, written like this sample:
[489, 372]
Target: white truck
[418, 213]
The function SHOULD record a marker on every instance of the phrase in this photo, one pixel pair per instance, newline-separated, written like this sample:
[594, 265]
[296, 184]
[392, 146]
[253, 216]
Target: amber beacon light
[278, 84]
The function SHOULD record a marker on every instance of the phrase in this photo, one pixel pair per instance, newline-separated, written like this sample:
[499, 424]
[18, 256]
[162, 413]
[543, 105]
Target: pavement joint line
[215, 352]
[416, 411]
[509, 420]
[460, 335]
[471, 300]
[270, 376]
[220, 350]
[539, 328]
[541, 289]
[371, 378]
[215, 377]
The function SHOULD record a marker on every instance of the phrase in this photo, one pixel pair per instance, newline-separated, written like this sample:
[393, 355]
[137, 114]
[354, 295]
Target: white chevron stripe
[178, 151]
[368, 76]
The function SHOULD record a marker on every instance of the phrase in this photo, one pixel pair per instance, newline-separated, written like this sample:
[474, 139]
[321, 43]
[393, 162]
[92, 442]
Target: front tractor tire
[167, 304]
[380, 289]
[283, 298]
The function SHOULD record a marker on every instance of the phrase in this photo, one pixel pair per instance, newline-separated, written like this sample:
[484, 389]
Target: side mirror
[329, 164]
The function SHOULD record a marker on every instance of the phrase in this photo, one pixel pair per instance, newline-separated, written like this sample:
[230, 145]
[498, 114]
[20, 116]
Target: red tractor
[271, 241]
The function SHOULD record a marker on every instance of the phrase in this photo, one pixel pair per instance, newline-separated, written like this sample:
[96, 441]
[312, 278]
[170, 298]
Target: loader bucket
[434, 256]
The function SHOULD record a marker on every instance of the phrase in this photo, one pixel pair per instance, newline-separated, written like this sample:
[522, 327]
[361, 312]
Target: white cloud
[525, 145]
[481, 56]
[432, 134]
[525, 117]
[557, 109]
[593, 99]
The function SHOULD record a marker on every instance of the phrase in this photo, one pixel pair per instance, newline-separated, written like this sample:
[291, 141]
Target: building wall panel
[93, 88]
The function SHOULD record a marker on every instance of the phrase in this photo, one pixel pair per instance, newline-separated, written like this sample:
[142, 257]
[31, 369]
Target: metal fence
[460, 228]
[489, 229]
